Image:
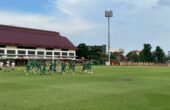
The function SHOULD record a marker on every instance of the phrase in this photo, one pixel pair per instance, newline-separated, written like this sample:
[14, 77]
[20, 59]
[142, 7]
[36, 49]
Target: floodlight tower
[108, 14]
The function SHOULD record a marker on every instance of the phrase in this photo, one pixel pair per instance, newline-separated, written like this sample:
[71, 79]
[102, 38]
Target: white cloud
[73, 21]
[67, 6]
[71, 24]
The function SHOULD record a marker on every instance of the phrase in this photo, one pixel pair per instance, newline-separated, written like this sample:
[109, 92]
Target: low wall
[141, 64]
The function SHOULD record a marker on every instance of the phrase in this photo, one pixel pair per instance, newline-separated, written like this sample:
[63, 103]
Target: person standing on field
[84, 66]
[54, 69]
[90, 67]
[7, 66]
[63, 67]
[1, 65]
[50, 66]
[44, 67]
[12, 65]
[32, 64]
[73, 67]
[38, 65]
[28, 67]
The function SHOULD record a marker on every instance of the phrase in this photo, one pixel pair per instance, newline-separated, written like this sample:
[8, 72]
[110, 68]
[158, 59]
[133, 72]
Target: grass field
[109, 88]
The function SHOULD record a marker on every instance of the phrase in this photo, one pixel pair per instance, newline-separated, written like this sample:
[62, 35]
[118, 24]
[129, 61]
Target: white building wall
[36, 56]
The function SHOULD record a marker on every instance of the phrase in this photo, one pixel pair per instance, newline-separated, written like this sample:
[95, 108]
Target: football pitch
[109, 88]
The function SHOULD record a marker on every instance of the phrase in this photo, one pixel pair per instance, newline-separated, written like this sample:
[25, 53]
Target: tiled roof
[11, 35]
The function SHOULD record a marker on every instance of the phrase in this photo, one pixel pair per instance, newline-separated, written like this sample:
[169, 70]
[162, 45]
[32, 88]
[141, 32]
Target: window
[21, 52]
[64, 54]
[10, 51]
[71, 54]
[2, 51]
[2, 46]
[40, 53]
[57, 53]
[48, 53]
[31, 52]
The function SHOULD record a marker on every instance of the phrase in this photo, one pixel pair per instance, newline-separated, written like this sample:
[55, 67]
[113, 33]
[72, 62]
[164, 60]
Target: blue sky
[135, 22]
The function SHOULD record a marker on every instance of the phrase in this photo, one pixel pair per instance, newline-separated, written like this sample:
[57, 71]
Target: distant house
[135, 52]
[119, 57]
[24, 43]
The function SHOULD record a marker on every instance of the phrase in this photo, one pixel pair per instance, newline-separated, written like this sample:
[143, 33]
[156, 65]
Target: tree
[95, 53]
[159, 55]
[133, 57]
[113, 56]
[82, 50]
[146, 54]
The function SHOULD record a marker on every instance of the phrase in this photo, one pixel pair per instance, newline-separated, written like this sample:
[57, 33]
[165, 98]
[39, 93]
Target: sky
[134, 22]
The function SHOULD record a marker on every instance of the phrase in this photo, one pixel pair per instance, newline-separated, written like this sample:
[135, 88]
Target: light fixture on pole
[108, 14]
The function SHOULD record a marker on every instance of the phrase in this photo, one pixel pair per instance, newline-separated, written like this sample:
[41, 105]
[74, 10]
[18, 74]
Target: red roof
[11, 35]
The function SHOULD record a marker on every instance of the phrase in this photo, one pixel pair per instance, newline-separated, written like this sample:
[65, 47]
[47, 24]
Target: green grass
[109, 88]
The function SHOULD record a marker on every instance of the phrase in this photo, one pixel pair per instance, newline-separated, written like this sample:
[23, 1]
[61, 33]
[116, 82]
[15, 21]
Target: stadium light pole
[108, 14]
